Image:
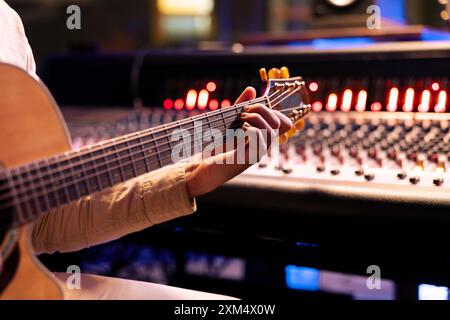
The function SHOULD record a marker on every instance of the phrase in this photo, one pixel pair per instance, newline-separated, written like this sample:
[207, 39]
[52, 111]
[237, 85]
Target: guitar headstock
[288, 95]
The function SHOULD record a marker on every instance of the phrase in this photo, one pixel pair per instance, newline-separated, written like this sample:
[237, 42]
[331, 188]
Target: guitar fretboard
[46, 184]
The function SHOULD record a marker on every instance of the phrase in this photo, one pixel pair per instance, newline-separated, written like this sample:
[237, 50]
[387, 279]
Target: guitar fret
[34, 197]
[26, 206]
[51, 195]
[141, 143]
[130, 154]
[88, 185]
[63, 186]
[19, 214]
[122, 173]
[223, 120]
[110, 176]
[40, 175]
[34, 167]
[157, 150]
[74, 176]
[40, 207]
[97, 177]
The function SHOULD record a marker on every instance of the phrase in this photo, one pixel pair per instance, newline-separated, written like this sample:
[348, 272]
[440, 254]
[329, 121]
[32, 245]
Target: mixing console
[361, 147]
[380, 115]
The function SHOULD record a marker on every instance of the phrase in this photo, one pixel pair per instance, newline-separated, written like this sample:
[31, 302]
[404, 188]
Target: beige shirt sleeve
[129, 207]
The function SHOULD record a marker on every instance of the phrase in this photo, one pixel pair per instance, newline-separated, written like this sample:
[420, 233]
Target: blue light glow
[302, 278]
[393, 10]
[336, 43]
[341, 42]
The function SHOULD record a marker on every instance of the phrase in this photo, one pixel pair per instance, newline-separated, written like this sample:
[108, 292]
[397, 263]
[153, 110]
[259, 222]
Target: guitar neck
[40, 186]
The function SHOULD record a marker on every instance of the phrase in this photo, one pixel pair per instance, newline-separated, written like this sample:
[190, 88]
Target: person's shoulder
[9, 14]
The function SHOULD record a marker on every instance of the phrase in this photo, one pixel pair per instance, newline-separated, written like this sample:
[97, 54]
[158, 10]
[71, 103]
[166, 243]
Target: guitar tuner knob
[263, 74]
[299, 125]
[274, 73]
[283, 139]
[292, 132]
[285, 74]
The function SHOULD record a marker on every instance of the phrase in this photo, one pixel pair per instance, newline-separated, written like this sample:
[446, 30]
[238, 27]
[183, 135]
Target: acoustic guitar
[40, 171]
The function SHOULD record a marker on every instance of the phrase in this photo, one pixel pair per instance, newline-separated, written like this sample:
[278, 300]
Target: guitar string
[103, 172]
[130, 155]
[71, 166]
[136, 136]
[127, 139]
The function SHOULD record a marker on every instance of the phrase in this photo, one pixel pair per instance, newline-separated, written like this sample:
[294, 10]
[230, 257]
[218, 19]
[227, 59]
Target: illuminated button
[314, 86]
[414, 180]
[225, 103]
[332, 102]
[214, 105]
[393, 100]
[211, 86]
[168, 104]
[179, 104]
[347, 100]
[191, 99]
[409, 100]
[438, 182]
[369, 177]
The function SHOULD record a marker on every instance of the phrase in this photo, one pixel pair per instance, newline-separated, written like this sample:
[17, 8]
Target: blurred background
[367, 183]
[117, 26]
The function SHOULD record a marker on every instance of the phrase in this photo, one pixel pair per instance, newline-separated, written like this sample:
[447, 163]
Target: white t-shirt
[14, 46]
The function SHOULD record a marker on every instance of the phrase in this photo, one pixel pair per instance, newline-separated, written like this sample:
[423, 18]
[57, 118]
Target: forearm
[130, 207]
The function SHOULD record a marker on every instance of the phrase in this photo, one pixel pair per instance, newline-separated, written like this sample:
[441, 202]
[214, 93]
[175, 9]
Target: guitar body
[31, 128]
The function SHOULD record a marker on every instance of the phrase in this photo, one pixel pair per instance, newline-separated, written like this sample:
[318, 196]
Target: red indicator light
[347, 100]
[179, 104]
[409, 100]
[362, 101]
[435, 86]
[442, 102]
[203, 98]
[211, 86]
[225, 103]
[376, 107]
[317, 106]
[214, 105]
[393, 100]
[425, 101]
[191, 99]
[168, 104]
[332, 102]
[313, 86]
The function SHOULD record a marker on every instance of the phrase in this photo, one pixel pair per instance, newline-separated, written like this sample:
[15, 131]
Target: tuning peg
[292, 132]
[283, 139]
[285, 74]
[299, 125]
[274, 73]
[263, 74]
